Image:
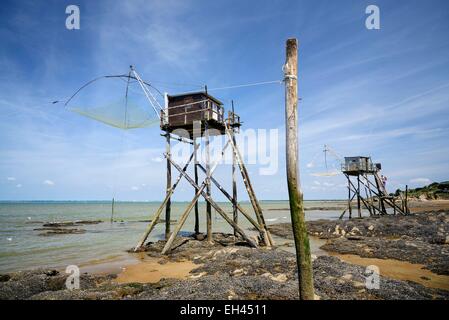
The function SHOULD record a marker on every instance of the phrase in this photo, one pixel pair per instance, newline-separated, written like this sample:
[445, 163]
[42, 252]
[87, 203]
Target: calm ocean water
[22, 248]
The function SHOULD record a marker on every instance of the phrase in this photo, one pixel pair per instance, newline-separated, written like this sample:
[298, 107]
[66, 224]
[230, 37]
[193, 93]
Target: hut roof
[194, 94]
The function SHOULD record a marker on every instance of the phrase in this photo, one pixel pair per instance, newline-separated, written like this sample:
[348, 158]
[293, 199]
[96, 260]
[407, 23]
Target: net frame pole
[147, 94]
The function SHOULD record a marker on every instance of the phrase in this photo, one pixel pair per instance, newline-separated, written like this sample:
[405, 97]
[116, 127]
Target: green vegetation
[434, 191]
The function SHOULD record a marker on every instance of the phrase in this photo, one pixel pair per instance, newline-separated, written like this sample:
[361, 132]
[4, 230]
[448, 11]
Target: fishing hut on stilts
[192, 118]
[366, 187]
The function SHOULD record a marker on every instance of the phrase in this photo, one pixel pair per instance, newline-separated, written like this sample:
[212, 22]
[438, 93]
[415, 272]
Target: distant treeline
[434, 191]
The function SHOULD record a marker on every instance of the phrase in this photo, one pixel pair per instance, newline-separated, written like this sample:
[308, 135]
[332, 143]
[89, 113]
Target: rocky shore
[421, 238]
[225, 270]
[65, 227]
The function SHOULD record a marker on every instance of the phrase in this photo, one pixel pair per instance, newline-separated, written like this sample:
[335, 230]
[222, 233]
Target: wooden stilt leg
[381, 193]
[349, 197]
[208, 189]
[238, 207]
[354, 189]
[367, 199]
[182, 220]
[168, 206]
[371, 200]
[216, 207]
[197, 219]
[406, 211]
[156, 216]
[359, 208]
[234, 186]
[349, 204]
[192, 203]
[266, 237]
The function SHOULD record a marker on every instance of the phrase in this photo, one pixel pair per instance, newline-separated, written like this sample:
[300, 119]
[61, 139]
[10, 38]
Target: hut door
[214, 112]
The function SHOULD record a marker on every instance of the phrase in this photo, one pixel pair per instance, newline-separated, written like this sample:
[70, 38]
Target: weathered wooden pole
[195, 166]
[168, 205]
[371, 201]
[266, 237]
[349, 198]
[156, 216]
[234, 183]
[208, 187]
[359, 208]
[303, 258]
[406, 211]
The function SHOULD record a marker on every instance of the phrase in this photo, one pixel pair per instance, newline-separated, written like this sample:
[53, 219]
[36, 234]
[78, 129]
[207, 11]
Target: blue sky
[383, 93]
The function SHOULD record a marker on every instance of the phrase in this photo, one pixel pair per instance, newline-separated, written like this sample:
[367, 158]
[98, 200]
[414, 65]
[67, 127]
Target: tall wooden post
[303, 258]
[168, 206]
[195, 166]
[371, 201]
[208, 205]
[234, 183]
[406, 200]
[349, 198]
[359, 208]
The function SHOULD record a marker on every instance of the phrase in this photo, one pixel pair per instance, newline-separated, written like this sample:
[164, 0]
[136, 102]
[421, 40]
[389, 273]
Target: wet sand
[152, 271]
[399, 270]
[428, 205]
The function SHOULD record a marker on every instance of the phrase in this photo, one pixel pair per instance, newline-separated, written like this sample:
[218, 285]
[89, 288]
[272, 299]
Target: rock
[199, 275]
[347, 276]
[354, 238]
[238, 272]
[58, 231]
[358, 284]
[337, 230]
[280, 278]
[70, 223]
[355, 231]
[371, 228]
[52, 273]
[200, 236]
[4, 277]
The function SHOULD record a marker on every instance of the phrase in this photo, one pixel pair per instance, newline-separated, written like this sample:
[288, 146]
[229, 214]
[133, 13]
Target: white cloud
[134, 188]
[157, 159]
[48, 183]
[11, 179]
[421, 181]
[19, 186]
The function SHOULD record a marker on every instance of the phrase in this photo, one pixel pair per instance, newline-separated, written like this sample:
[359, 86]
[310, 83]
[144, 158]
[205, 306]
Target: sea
[22, 247]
